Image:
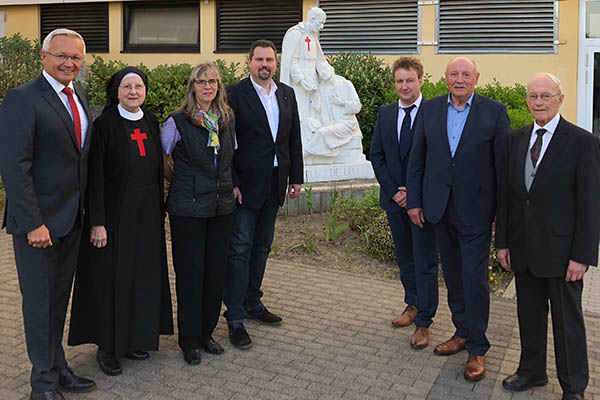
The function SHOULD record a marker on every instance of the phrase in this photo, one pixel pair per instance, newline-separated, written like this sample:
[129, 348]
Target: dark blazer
[389, 168]
[253, 159]
[43, 171]
[473, 174]
[559, 218]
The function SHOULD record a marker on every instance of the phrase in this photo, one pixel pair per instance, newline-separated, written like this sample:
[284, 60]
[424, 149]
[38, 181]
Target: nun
[121, 299]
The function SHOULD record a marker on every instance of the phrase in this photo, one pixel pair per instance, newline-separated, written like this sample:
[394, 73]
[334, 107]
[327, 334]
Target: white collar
[417, 102]
[129, 115]
[261, 89]
[550, 127]
[56, 85]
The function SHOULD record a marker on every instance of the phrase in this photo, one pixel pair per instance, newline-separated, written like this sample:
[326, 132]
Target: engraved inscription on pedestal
[338, 172]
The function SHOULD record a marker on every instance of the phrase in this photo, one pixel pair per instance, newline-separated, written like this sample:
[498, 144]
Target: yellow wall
[506, 68]
[24, 20]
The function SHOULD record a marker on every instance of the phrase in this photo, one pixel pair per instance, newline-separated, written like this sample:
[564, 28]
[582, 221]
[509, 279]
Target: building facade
[509, 40]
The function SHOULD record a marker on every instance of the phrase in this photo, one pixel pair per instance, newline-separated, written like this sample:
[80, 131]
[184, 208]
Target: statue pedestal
[338, 172]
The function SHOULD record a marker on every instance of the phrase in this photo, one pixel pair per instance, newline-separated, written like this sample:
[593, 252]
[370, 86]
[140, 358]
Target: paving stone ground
[336, 342]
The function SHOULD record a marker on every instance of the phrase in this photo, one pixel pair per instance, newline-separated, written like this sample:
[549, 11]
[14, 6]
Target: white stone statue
[335, 137]
[327, 106]
[300, 55]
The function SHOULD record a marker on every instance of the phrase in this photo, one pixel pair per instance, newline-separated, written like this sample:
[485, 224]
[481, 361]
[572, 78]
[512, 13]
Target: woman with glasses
[200, 138]
[122, 300]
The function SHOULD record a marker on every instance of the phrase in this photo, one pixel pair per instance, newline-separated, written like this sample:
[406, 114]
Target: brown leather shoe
[420, 339]
[406, 318]
[450, 346]
[475, 368]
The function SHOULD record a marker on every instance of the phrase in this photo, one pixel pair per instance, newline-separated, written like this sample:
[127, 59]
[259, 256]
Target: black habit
[122, 300]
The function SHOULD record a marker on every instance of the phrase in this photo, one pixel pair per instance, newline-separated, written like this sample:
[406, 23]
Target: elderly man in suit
[44, 143]
[454, 170]
[414, 246]
[547, 232]
[268, 158]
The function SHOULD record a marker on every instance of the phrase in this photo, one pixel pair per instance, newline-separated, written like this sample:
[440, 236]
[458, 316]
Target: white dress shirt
[413, 113]
[269, 102]
[550, 127]
[58, 87]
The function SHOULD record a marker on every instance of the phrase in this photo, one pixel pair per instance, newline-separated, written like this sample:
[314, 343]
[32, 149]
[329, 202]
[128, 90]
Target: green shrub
[167, 88]
[374, 84]
[20, 62]
[365, 216]
[513, 97]
[229, 73]
[167, 83]
[372, 78]
[432, 89]
[98, 74]
[377, 238]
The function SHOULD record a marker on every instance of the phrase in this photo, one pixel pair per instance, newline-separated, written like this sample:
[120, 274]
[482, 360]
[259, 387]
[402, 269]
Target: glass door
[592, 89]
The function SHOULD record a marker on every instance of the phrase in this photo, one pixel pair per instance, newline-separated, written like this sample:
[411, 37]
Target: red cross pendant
[307, 40]
[139, 137]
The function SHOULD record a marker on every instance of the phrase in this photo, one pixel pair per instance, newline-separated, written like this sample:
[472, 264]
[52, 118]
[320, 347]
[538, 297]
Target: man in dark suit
[547, 232]
[454, 170]
[415, 246]
[268, 157]
[44, 143]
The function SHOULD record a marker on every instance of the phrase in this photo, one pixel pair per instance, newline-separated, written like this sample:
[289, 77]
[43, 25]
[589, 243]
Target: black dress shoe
[238, 336]
[50, 395]
[572, 396]
[137, 355]
[212, 347]
[69, 382]
[192, 356]
[261, 314]
[518, 383]
[109, 364]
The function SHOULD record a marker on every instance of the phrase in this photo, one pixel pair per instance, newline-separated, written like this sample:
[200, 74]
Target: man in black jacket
[44, 145]
[415, 246]
[268, 158]
[547, 232]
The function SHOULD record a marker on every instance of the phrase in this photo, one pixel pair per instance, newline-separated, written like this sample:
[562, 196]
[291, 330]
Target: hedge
[372, 78]
[20, 62]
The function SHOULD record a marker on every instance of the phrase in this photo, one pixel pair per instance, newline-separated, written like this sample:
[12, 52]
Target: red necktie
[75, 111]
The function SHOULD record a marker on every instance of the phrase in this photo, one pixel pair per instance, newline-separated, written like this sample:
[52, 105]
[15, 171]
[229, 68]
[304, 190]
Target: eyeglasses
[128, 87]
[543, 96]
[203, 82]
[65, 57]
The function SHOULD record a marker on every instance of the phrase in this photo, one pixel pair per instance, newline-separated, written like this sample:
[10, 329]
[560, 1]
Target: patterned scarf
[210, 121]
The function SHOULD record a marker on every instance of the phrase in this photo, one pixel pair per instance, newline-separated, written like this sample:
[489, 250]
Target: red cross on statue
[139, 137]
[307, 40]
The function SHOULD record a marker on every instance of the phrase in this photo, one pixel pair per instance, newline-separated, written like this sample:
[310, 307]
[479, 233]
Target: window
[88, 19]
[501, 26]
[592, 19]
[384, 26]
[2, 24]
[161, 26]
[241, 22]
